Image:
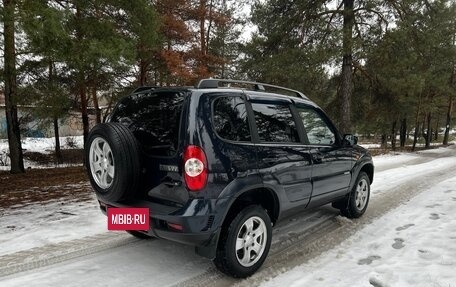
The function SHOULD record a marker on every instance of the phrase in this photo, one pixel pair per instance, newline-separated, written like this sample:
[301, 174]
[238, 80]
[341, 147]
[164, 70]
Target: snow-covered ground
[417, 241]
[38, 225]
[41, 224]
[46, 145]
[415, 245]
[41, 145]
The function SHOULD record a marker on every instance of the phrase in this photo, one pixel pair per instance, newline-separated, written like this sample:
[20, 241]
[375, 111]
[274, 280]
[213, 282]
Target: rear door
[155, 118]
[283, 160]
[332, 162]
[230, 152]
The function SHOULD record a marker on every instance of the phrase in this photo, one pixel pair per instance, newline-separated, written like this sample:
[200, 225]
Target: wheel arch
[368, 168]
[263, 196]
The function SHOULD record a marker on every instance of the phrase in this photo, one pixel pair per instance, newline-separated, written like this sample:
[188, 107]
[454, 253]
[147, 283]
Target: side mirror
[350, 139]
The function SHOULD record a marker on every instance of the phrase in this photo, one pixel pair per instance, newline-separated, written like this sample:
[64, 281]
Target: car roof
[255, 95]
[253, 90]
[253, 86]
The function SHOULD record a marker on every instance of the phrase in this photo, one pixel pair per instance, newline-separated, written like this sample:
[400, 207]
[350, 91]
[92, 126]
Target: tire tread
[125, 150]
[223, 261]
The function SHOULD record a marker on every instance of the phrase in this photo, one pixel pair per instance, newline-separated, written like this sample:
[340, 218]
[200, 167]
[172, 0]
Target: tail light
[195, 168]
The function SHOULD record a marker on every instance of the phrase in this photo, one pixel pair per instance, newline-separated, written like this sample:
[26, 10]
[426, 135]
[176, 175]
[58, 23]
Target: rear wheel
[112, 160]
[245, 243]
[356, 203]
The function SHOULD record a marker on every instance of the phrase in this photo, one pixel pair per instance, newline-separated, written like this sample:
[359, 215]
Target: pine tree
[141, 25]
[12, 123]
[223, 39]
[46, 40]
[411, 82]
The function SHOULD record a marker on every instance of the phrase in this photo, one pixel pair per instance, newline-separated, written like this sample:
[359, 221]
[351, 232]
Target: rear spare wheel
[112, 160]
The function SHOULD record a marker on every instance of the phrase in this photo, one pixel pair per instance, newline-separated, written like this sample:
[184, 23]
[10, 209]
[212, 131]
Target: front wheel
[356, 203]
[245, 243]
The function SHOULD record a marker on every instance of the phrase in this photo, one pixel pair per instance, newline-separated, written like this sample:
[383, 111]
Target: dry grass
[42, 185]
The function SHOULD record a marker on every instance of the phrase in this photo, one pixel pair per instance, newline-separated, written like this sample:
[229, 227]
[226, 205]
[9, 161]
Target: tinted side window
[275, 123]
[316, 128]
[230, 119]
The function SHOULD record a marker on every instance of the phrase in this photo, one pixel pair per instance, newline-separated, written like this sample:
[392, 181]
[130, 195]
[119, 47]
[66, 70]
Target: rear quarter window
[230, 119]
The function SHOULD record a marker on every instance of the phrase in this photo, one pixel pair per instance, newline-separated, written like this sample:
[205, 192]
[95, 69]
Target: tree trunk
[417, 128]
[84, 113]
[428, 132]
[415, 135]
[209, 27]
[222, 54]
[384, 143]
[12, 122]
[448, 121]
[202, 67]
[393, 135]
[95, 104]
[347, 73]
[423, 126]
[142, 79]
[436, 131]
[58, 153]
[403, 132]
[81, 79]
[202, 11]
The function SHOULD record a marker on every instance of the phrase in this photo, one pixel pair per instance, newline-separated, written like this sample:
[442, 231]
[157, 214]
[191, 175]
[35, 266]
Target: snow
[414, 245]
[46, 145]
[142, 263]
[375, 145]
[387, 180]
[432, 151]
[41, 145]
[38, 225]
[370, 145]
[393, 159]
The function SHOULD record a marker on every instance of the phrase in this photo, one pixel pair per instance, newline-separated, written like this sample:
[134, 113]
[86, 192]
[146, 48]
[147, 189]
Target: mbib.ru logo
[128, 218]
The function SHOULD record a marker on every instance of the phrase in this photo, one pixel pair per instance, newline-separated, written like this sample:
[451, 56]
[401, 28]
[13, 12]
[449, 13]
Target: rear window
[154, 119]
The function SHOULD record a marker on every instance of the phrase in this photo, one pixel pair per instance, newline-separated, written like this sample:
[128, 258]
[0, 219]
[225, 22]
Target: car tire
[244, 242]
[113, 162]
[355, 204]
[138, 234]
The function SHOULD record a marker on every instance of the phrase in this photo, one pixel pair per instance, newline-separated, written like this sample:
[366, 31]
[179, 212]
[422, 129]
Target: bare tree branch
[330, 21]
[378, 13]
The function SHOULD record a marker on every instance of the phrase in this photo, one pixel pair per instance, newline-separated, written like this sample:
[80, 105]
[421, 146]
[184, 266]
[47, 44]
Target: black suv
[220, 163]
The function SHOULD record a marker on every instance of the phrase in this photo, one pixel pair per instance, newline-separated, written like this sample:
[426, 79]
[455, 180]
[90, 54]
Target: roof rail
[144, 88]
[215, 83]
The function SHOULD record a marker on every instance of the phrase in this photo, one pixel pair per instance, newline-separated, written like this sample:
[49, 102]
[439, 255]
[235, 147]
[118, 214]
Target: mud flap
[209, 249]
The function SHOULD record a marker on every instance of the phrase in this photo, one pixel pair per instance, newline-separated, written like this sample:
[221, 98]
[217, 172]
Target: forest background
[380, 69]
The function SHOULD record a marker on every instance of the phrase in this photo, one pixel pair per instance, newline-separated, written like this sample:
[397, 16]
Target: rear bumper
[195, 223]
